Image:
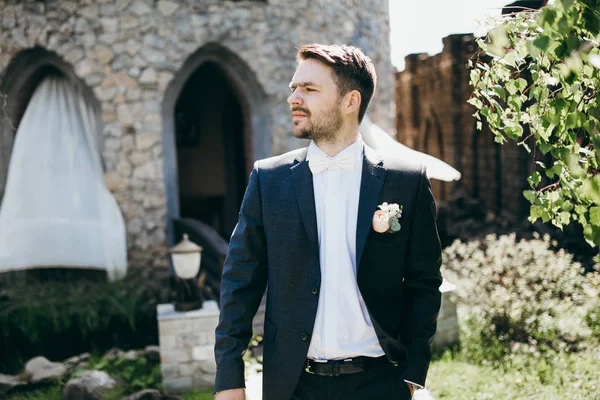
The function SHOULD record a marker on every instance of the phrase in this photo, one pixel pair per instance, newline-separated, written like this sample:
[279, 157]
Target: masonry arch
[215, 124]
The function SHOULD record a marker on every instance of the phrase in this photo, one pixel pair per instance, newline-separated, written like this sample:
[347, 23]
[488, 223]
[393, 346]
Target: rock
[147, 171]
[155, 41]
[132, 47]
[152, 353]
[115, 182]
[119, 98]
[122, 61]
[120, 79]
[9, 382]
[134, 226]
[84, 67]
[139, 158]
[74, 55]
[90, 385]
[148, 76]
[144, 141]
[113, 354]
[76, 361]
[88, 40]
[90, 12]
[140, 8]
[109, 24]
[108, 10]
[152, 55]
[167, 7]
[40, 370]
[82, 26]
[154, 201]
[133, 72]
[131, 355]
[129, 22]
[103, 54]
[105, 93]
[164, 78]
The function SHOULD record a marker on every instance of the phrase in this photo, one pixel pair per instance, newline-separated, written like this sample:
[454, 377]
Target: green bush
[62, 319]
[138, 373]
[521, 297]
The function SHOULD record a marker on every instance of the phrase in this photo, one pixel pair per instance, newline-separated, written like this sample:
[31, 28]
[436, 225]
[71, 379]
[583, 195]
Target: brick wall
[433, 116]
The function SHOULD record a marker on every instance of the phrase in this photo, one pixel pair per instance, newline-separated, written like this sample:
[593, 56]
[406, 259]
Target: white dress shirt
[343, 327]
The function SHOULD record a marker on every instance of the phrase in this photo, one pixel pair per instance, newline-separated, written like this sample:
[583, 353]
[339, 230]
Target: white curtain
[376, 138]
[56, 210]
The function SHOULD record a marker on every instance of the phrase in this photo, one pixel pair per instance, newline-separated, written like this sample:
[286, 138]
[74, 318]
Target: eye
[310, 90]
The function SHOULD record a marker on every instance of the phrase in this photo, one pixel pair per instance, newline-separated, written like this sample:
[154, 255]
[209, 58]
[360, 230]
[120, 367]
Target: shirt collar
[356, 149]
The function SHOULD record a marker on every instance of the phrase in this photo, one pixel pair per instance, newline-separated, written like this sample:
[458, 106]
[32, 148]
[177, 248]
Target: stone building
[433, 116]
[189, 93]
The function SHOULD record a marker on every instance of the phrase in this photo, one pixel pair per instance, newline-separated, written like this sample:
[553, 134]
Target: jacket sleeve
[243, 284]
[422, 298]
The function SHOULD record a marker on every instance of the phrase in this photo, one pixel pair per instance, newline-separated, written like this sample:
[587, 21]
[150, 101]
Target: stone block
[167, 342]
[189, 340]
[187, 346]
[206, 367]
[180, 384]
[205, 352]
[176, 356]
[186, 369]
[203, 381]
[170, 370]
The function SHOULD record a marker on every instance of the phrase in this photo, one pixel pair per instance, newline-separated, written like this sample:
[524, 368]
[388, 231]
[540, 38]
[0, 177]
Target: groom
[352, 288]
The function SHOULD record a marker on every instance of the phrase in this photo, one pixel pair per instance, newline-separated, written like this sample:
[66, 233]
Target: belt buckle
[307, 367]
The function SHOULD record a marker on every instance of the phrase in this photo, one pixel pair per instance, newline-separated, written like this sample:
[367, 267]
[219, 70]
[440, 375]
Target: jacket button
[315, 290]
[304, 336]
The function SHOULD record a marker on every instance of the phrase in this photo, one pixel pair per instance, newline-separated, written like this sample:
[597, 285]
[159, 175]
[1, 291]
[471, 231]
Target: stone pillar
[187, 342]
[447, 334]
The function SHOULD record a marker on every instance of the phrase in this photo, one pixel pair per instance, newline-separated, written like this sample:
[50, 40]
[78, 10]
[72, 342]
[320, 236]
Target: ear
[352, 101]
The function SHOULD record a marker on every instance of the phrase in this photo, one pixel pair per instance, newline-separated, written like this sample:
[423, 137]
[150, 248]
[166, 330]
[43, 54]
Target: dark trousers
[376, 383]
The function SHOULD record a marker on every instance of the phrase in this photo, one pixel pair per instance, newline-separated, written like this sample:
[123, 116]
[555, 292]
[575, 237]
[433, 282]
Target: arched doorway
[211, 151]
[215, 124]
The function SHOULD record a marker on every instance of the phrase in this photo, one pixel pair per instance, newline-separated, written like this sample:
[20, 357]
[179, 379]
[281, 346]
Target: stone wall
[129, 52]
[187, 342]
[433, 116]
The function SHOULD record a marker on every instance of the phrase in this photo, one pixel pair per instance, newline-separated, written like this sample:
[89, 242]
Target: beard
[323, 127]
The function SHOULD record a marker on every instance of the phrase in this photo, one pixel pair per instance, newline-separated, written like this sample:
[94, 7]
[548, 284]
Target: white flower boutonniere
[387, 218]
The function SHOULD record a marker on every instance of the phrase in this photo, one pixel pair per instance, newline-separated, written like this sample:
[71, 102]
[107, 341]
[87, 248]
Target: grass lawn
[55, 393]
[566, 376]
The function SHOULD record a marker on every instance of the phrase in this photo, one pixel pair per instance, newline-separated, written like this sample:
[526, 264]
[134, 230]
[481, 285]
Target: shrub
[520, 297]
[62, 319]
[138, 373]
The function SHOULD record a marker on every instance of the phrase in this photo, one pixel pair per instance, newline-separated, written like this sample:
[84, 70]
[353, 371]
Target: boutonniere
[387, 218]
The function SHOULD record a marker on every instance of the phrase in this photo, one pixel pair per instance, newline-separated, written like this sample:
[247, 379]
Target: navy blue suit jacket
[275, 247]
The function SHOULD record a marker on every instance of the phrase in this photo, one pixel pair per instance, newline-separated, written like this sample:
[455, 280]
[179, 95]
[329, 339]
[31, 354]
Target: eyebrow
[301, 84]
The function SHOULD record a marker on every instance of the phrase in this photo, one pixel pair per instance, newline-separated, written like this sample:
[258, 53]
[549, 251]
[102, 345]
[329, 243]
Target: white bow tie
[319, 163]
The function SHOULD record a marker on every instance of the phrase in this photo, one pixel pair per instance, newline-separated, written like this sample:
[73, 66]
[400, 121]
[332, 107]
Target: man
[352, 288]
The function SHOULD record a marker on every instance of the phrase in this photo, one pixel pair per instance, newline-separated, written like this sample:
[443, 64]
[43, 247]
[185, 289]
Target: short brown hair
[352, 69]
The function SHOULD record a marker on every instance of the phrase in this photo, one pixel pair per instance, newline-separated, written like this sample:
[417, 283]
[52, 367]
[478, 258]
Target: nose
[295, 99]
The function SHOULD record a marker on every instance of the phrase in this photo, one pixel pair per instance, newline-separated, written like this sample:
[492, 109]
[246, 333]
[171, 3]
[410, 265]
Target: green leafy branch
[535, 81]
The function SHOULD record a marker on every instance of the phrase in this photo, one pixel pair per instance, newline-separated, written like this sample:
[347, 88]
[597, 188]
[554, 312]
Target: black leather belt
[342, 367]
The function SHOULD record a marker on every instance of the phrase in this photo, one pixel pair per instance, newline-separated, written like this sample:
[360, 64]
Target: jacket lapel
[303, 185]
[373, 176]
